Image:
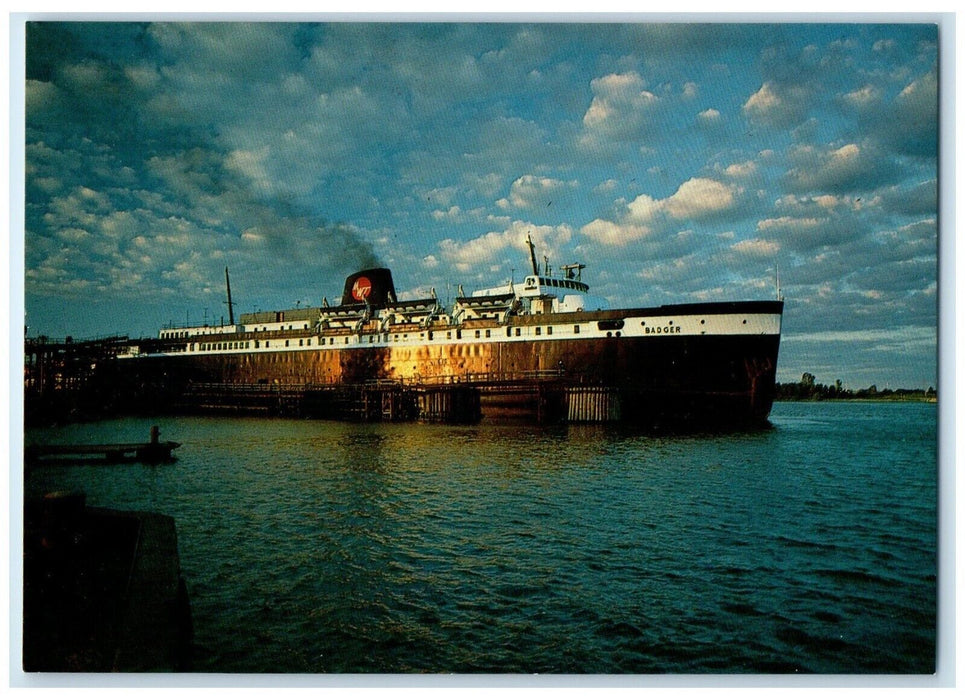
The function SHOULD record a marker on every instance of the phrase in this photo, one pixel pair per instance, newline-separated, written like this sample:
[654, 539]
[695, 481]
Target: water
[317, 547]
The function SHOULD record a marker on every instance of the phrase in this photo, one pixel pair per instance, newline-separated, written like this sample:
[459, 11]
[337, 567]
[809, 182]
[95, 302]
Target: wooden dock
[546, 398]
[152, 452]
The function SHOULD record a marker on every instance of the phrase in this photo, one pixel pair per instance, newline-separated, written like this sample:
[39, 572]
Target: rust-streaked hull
[674, 374]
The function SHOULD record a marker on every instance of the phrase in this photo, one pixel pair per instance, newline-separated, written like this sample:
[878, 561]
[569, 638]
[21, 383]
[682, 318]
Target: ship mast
[532, 254]
[231, 308]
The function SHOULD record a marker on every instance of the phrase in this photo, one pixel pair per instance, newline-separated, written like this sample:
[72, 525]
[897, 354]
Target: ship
[542, 347]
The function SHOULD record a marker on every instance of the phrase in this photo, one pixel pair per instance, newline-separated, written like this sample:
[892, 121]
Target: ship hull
[669, 379]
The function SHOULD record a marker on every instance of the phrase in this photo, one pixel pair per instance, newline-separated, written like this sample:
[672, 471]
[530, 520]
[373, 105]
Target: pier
[544, 399]
[102, 590]
[151, 452]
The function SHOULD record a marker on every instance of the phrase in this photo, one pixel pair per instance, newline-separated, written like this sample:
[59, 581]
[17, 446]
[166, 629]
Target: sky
[679, 162]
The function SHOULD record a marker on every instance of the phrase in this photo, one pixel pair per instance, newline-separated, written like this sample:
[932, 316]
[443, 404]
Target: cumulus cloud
[709, 117]
[846, 168]
[910, 123]
[620, 108]
[699, 198]
[507, 246]
[696, 199]
[611, 233]
[864, 97]
[757, 247]
[741, 170]
[531, 191]
[777, 105]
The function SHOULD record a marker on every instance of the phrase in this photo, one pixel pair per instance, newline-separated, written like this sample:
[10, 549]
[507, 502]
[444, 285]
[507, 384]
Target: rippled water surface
[328, 547]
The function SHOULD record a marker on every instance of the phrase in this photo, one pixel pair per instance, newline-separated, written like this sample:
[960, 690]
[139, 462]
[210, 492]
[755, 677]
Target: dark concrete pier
[102, 590]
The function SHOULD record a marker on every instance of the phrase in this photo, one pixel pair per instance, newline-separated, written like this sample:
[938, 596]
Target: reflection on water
[332, 547]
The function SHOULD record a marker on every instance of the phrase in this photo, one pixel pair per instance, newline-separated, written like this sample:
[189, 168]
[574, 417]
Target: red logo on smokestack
[361, 289]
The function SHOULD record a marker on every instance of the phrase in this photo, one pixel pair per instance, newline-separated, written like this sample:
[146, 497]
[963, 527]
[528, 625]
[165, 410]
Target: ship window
[458, 335]
[549, 330]
[488, 334]
[300, 342]
[430, 335]
[266, 343]
[306, 326]
[257, 344]
[518, 332]
[509, 332]
[576, 329]
[448, 335]
[539, 331]
[286, 343]
[610, 325]
[477, 334]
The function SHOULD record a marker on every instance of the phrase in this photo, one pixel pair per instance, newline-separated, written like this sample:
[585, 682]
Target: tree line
[808, 389]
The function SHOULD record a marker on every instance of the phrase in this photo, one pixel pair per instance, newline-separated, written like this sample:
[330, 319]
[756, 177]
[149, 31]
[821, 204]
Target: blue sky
[679, 162]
